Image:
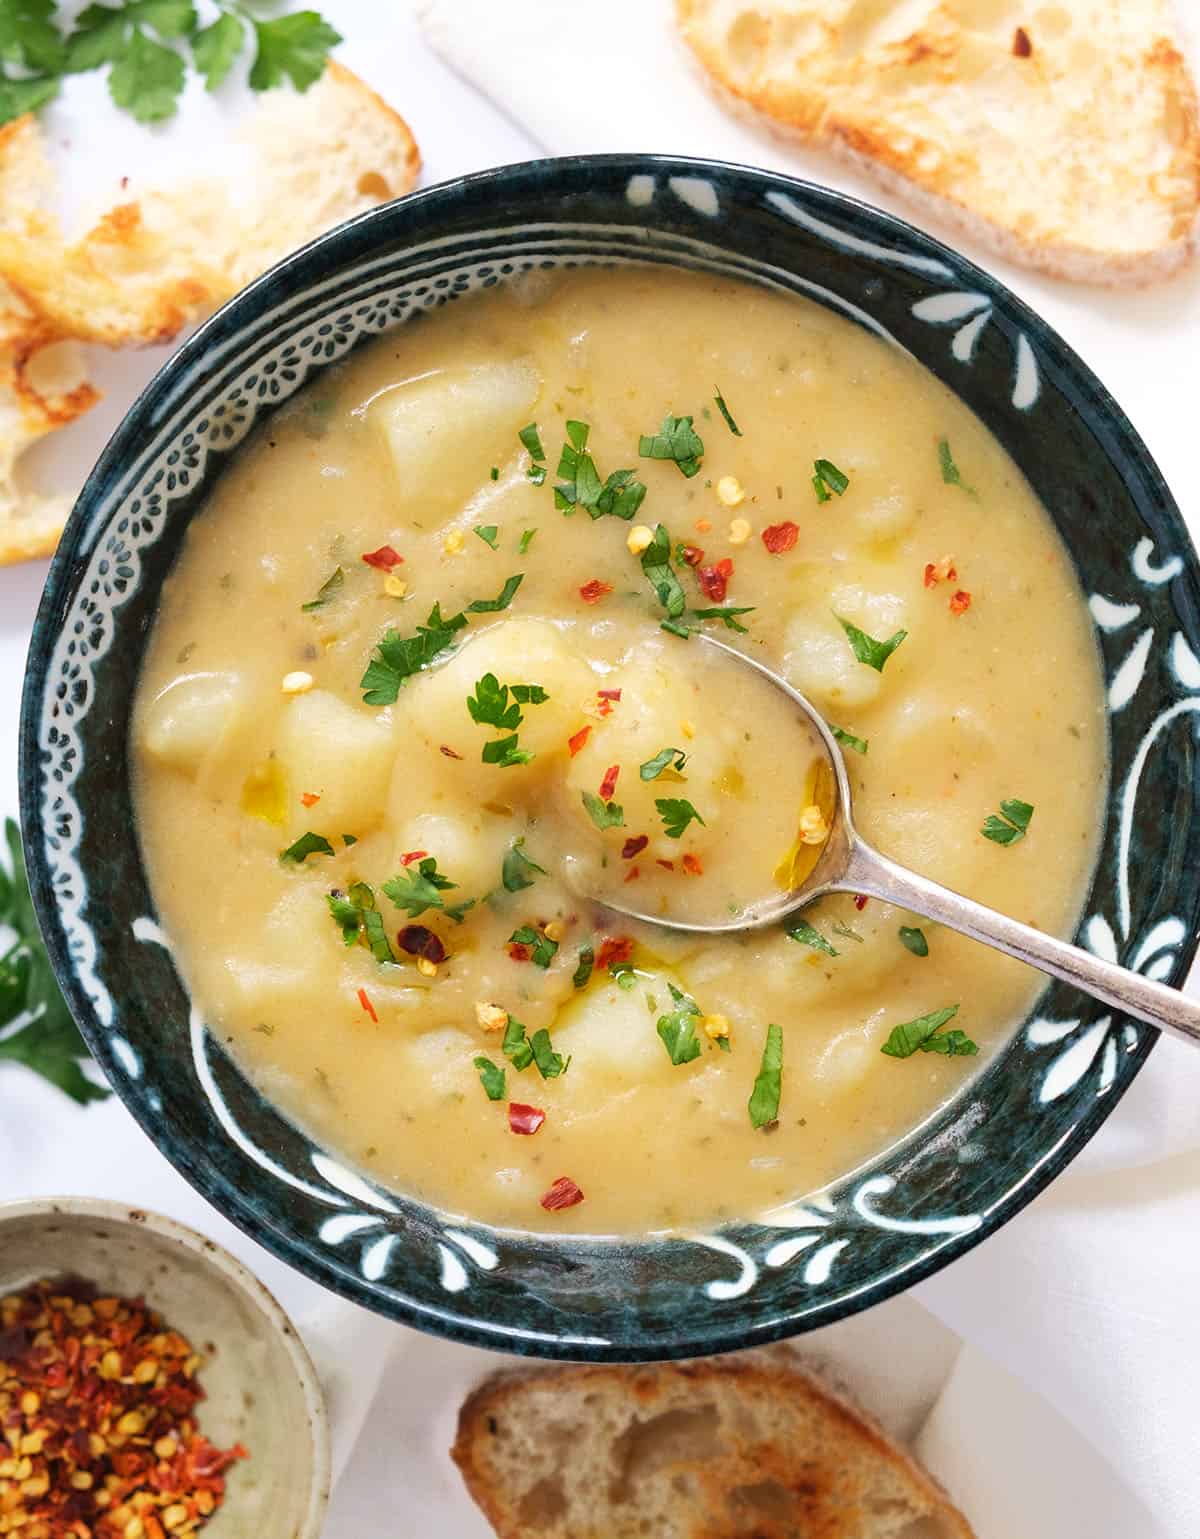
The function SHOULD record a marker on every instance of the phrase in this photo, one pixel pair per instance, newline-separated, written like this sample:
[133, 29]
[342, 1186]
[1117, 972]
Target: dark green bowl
[918, 1205]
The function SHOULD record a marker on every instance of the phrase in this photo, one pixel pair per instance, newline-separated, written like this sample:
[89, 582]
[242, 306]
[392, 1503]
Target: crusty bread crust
[1080, 156]
[742, 1446]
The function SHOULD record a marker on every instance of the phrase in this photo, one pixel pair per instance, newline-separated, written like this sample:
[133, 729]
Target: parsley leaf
[910, 1036]
[526, 541]
[515, 872]
[678, 1029]
[295, 47]
[848, 740]
[488, 533]
[532, 440]
[307, 844]
[358, 918]
[828, 478]
[768, 1083]
[490, 704]
[677, 440]
[397, 657]
[529, 694]
[503, 751]
[580, 484]
[549, 1063]
[543, 947]
[25, 94]
[913, 939]
[147, 79]
[328, 590]
[809, 935]
[676, 814]
[656, 564]
[494, 606]
[583, 971]
[1011, 825]
[418, 887]
[603, 814]
[724, 410]
[653, 768]
[491, 1078]
[29, 38]
[869, 651]
[215, 48]
[951, 474]
[516, 1047]
[726, 613]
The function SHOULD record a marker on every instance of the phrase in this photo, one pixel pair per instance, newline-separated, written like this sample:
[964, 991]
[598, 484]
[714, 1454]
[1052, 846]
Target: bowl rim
[322, 257]
[240, 1280]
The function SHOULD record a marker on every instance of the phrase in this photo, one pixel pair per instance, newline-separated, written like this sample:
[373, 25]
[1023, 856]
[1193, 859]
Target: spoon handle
[874, 874]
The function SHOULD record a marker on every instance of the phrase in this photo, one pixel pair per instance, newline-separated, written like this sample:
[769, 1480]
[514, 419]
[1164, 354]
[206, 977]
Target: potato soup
[428, 683]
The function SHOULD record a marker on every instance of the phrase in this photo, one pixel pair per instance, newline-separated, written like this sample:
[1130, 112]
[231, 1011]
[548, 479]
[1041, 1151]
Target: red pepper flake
[692, 554]
[449, 752]
[614, 949]
[576, 742]
[632, 874]
[960, 603]
[309, 799]
[385, 558]
[524, 1119]
[365, 1002]
[667, 865]
[692, 865]
[563, 1194]
[714, 580]
[592, 592]
[609, 694]
[940, 571]
[519, 951]
[609, 784]
[780, 537]
[860, 901]
[634, 846]
[413, 855]
[1022, 43]
[419, 941]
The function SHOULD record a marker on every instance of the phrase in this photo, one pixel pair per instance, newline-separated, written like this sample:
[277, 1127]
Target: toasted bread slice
[1066, 137]
[748, 1446]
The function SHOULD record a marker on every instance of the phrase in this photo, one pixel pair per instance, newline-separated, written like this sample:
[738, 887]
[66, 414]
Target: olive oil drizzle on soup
[419, 982]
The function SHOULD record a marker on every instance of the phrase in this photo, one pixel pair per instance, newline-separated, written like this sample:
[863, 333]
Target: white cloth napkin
[1090, 1295]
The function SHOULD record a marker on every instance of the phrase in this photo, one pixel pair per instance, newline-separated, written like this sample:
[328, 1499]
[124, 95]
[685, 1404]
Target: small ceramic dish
[260, 1386]
[918, 1204]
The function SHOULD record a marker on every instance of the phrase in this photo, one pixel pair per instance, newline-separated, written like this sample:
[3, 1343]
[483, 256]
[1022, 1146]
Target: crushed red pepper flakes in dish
[449, 752]
[309, 798]
[608, 694]
[578, 739]
[779, 538]
[385, 558]
[667, 865]
[592, 592]
[524, 1119]
[419, 941]
[960, 603]
[634, 846]
[413, 855]
[693, 865]
[714, 580]
[940, 571]
[519, 951]
[365, 1001]
[609, 784]
[632, 874]
[860, 901]
[614, 949]
[562, 1194]
[98, 1437]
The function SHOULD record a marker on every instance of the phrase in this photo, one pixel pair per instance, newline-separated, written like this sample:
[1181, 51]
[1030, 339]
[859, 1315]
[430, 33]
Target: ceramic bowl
[261, 1388]
[890, 1223]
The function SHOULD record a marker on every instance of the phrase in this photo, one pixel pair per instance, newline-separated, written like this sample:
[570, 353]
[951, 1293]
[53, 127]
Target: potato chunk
[341, 753]
[192, 718]
[611, 1033]
[423, 422]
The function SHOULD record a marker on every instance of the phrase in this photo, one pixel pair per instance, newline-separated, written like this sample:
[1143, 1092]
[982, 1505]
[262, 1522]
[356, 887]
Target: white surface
[1089, 1296]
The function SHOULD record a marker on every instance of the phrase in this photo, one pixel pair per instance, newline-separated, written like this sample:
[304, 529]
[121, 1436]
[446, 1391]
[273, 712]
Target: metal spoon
[847, 863]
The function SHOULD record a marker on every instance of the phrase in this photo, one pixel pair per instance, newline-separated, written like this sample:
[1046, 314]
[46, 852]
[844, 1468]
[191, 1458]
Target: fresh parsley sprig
[677, 440]
[677, 813]
[925, 1035]
[418, 887]
[1011, 825]
[580, 485]
[866, 648]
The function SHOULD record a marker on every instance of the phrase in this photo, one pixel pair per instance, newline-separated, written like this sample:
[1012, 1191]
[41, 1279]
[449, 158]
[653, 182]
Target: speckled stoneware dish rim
[240, 1280]
[750, 1282]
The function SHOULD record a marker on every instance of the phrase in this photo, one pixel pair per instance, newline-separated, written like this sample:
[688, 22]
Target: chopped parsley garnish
[517, 870]
[603, 814]
[494, 606]
[495, 472]
[579, 482]
[549, 1063]
[490, 706]
[537, 474]
[457, 911]
[328, 590]
[724, 410]
[1011, 825]
[677, 440]
[678, 1030]
[488, 533]
[653, 768]
[764, 1098]
[581, 977]
[418, 887]
[848, 740]
[676, 814]
[913, 939]
[809, 935]
[869, 651]
[491, 1078]
[656, 564]
[532, 441]
[727, 614]
[925, 1034]
[542, 947]
[515, 1045]
[307, 844]
[397, 657]
[357, 917]
[951, 474]
[828, 478]
[504, 753]
[526, 541]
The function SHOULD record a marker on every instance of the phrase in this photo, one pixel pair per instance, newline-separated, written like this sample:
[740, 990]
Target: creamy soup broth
[251, 731]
